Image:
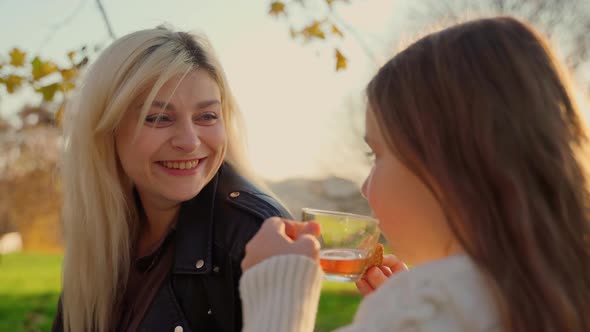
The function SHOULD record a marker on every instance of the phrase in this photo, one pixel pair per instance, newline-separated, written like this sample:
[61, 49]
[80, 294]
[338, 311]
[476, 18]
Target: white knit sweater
[281, 295]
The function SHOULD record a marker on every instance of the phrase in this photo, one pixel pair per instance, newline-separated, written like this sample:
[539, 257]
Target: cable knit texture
[282, 293]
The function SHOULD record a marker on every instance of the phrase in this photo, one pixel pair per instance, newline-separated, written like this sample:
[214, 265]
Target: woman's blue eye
[157, 118]
[208, 117]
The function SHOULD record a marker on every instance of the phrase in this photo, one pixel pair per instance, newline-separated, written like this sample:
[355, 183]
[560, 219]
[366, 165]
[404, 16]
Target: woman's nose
[186, 138]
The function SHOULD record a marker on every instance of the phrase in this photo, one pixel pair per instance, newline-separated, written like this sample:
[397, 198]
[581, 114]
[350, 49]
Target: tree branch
[106, 19]
[56, 27]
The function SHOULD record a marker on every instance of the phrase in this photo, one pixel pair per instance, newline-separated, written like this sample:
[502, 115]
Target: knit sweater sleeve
[281, 294]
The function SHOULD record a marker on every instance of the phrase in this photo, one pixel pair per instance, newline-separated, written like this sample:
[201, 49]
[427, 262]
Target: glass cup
[346, 240]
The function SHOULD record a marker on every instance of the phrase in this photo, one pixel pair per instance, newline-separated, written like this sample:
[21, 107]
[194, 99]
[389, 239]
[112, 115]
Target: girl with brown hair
[478, 182]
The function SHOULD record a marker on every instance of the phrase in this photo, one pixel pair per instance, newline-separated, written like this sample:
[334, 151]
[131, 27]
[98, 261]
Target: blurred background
[297, 67]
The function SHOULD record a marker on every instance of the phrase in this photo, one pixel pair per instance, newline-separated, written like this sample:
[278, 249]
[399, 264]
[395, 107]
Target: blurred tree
[44, 76]
[4, 126]
[29, 190]
[30, 196]
[52, 82]
[565, 22]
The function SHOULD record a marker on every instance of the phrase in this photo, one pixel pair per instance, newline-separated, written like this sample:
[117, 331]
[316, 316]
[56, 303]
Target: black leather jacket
[201, 293]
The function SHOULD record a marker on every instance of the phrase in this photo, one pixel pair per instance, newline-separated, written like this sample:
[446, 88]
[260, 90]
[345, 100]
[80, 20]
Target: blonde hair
[99, 211]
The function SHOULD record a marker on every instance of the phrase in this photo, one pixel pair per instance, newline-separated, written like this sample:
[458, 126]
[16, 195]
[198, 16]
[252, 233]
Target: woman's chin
[182, 196]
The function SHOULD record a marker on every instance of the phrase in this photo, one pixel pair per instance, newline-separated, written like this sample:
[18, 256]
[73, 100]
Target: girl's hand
[282, 237]
[377, 275]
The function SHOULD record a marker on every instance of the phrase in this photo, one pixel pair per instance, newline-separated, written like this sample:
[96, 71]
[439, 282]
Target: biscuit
[376, 256]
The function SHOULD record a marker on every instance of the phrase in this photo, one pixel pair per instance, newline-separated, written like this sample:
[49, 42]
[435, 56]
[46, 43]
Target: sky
[295, 104]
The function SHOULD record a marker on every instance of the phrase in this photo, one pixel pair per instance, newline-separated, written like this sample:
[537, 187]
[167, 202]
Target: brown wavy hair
[483, 114]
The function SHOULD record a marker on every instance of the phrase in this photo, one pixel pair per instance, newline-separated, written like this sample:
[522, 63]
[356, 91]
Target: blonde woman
[158, 202]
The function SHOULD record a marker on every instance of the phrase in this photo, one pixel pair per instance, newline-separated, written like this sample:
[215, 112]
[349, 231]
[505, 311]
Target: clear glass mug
[347, 240]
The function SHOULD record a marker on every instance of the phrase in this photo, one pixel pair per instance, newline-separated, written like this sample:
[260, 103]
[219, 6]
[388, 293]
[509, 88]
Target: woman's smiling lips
[181, 167]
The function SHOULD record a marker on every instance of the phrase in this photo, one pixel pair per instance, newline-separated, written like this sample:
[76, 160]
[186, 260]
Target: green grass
[338, 303]
[29, 289]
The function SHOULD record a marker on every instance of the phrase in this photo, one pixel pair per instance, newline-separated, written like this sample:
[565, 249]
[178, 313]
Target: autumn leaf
[69, 74]
[67, 86]
[277, 8]
[63, 80]
[340, 60]
[42, 69]
[337, 31]
[314, 30]
[12, 82]
[49, 91]
[71, 55]
[331, 2]
[17, 57]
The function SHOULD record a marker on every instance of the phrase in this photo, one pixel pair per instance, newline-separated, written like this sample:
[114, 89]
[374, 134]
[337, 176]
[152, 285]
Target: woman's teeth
[180, 165]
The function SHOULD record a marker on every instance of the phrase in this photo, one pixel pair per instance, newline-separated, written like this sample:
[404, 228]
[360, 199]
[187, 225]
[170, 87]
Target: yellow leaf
[69, 74]
[340, 61]
[277, 8]
[42, 69]
[67, 86]
[13, 82]
[313, 30]
[71, 55]
[49, 91]
[337, 31]
[331, 2]
[17, 57]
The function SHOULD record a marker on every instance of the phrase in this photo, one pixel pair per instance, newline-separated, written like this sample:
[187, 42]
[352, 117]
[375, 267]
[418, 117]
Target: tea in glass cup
[347, 240]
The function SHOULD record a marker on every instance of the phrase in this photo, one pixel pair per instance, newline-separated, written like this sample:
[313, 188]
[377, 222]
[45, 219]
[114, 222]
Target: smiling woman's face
[181, 143]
